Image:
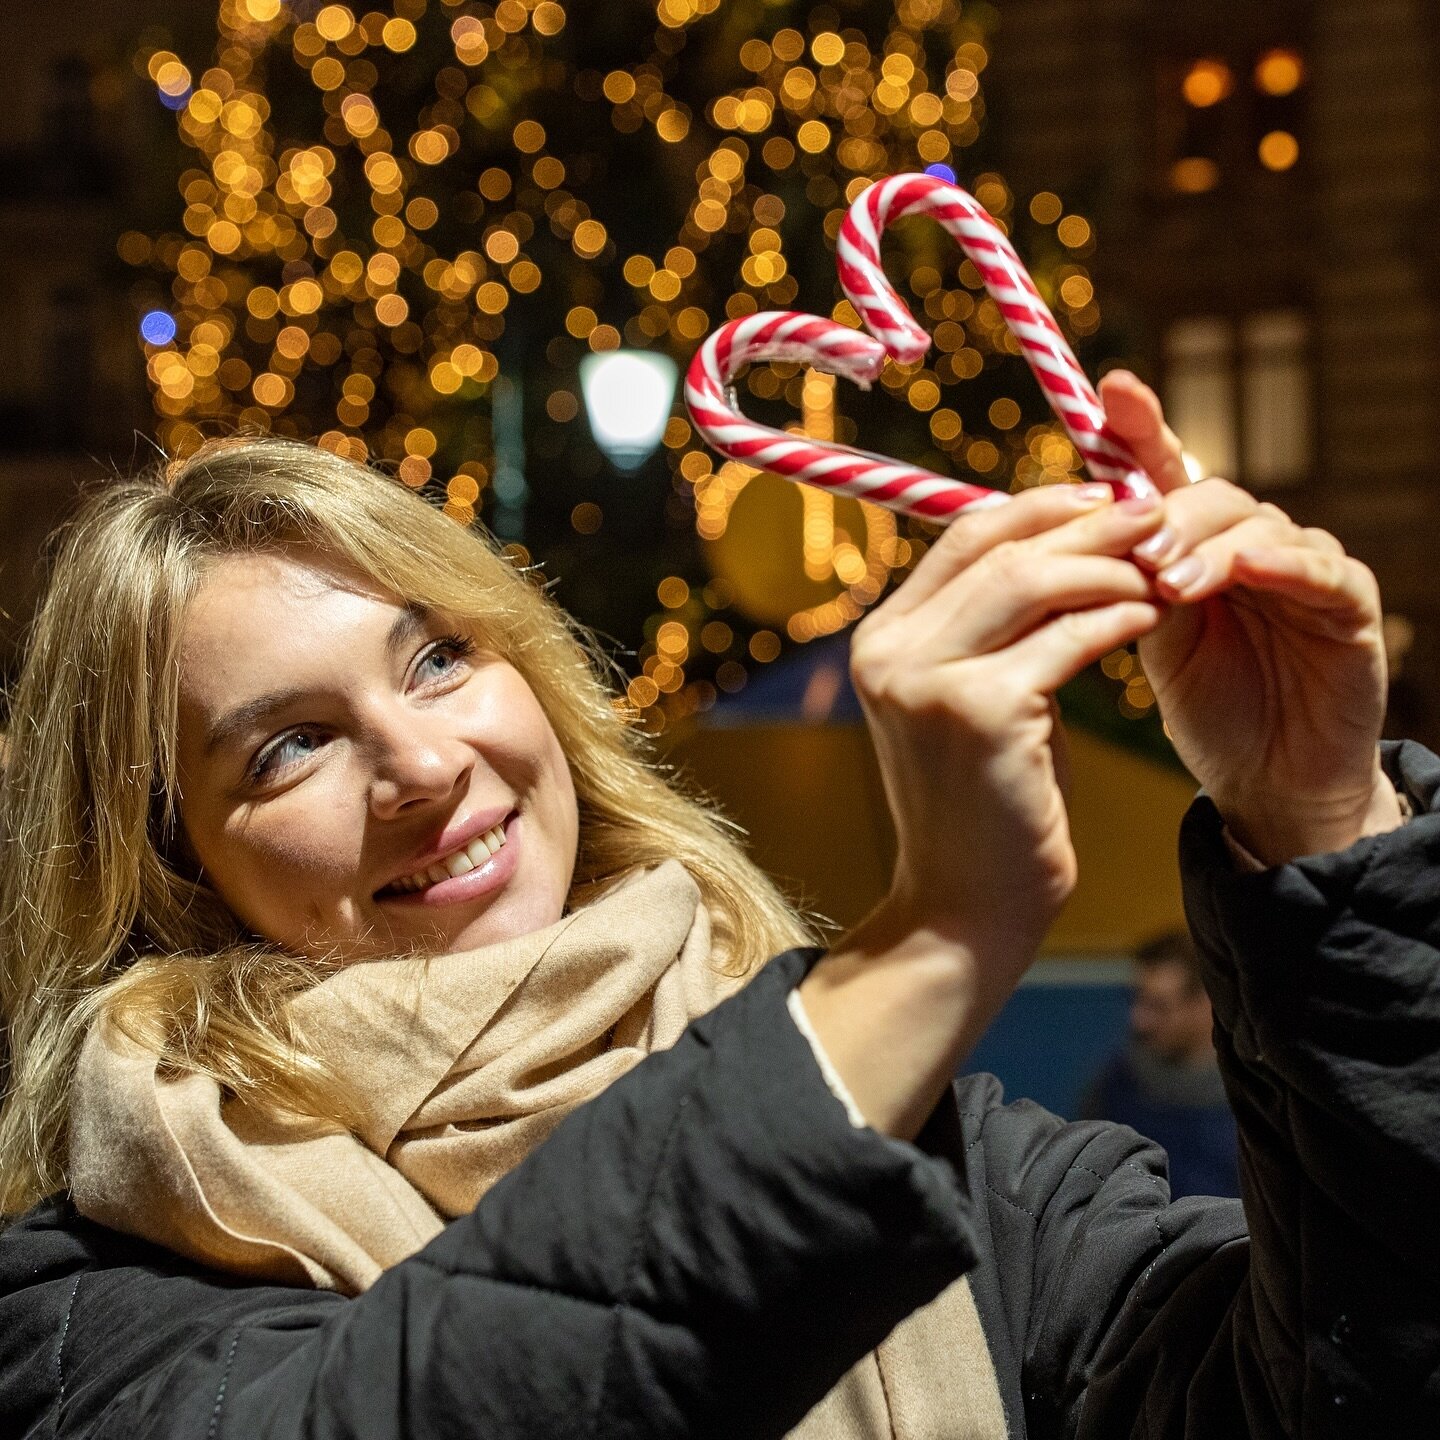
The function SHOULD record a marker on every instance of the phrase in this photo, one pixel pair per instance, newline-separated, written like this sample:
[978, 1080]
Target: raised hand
[1269, 666]
[955, 673]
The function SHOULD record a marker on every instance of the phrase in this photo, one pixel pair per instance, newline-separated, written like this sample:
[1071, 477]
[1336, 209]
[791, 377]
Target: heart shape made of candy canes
[827, 345]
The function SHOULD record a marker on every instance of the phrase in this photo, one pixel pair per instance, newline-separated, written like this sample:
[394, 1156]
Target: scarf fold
[461, 1065]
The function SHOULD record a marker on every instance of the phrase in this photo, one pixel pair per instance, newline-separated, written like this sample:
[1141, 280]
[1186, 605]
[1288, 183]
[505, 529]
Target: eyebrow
[248, 716]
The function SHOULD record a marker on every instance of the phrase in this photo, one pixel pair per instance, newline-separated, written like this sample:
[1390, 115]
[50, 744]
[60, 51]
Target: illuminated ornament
[628, 394]
[157, 327]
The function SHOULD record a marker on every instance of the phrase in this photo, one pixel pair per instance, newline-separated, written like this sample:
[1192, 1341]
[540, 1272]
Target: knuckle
[1006, 564]
[1322, 540]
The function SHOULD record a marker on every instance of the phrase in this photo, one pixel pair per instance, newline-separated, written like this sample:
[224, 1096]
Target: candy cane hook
[884, 314]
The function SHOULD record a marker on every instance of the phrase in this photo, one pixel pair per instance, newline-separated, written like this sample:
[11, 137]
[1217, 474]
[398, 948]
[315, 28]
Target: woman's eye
[443, 659]
[286, 751]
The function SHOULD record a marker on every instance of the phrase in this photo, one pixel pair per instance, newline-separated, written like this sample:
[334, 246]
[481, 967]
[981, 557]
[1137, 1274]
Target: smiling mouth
[458, 862]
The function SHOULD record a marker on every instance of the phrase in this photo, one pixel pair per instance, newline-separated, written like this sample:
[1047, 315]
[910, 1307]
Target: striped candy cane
[884, 314]
[838, 350]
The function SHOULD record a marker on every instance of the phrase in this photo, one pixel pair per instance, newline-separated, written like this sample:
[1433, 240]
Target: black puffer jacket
[705, 1248]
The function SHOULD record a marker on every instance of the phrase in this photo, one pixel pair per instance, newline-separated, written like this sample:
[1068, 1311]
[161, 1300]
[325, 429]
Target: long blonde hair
[97, 913]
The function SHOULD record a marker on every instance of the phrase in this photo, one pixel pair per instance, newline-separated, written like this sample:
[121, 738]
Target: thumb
[1133, 410]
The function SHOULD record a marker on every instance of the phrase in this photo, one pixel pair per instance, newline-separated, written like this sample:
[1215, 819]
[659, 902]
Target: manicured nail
[1184, 574]
[1140, 504]
[1157, 546]
[1092, 494]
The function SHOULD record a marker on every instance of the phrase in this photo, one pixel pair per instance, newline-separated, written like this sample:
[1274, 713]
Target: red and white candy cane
[884, 314]
[838, 350]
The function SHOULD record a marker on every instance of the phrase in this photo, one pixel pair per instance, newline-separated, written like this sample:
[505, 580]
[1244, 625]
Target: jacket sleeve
[702, 1250]
[1149, 1318]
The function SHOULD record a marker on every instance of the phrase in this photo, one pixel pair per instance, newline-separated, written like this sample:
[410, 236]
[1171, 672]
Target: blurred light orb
[941, 172]
[1279, 150]
[628, 394]
[157, 327]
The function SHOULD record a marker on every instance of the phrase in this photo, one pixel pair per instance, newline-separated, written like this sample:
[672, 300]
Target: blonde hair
[96, 911]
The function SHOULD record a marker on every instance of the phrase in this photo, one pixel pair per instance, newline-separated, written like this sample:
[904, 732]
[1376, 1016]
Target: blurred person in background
[1166, 1082]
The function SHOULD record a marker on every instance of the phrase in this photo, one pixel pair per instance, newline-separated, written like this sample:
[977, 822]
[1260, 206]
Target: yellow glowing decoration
[335, 22]
[1194, 175]
[813, 136]
[1046, 208]
[1279, 150]
[1279, 72]
[589, 238]
[398, 35]
[1207, 82]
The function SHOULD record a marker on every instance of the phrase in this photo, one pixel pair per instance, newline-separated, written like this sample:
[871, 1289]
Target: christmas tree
[403, 229]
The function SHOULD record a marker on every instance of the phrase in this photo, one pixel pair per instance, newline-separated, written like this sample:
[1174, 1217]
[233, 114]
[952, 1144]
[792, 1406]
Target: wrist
[899, 1001]
[1278, 831]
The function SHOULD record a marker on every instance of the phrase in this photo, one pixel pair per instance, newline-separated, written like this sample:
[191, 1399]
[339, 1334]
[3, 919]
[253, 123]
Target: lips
[468, 857]
[468, 847]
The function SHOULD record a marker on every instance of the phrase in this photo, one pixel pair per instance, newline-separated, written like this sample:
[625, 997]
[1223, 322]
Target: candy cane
[838, 350]
[857, 257]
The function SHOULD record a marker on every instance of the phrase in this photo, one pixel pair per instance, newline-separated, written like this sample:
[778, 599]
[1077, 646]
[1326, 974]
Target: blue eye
[443, 658]
[286, 751]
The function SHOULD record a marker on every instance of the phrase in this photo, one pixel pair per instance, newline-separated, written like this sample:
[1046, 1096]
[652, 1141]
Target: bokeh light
[157, 327]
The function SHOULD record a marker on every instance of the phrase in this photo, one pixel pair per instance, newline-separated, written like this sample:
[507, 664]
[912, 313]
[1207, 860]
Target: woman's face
[357, 779]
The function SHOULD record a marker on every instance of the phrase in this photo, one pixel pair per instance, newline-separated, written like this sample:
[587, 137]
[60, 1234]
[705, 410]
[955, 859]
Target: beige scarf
[464, 1064]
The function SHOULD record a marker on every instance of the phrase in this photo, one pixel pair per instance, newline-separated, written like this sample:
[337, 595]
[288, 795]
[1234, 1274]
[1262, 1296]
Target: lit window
[1275, 374]
[1238, 393]
[1200, 390]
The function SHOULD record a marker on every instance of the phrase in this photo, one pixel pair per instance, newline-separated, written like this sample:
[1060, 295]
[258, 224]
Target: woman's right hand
[956, 673]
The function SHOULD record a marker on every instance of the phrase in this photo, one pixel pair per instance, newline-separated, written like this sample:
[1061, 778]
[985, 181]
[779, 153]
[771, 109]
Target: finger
[975, 532]
[1209, 567]
[1133, 410]
[1193, 515]
[1116, 529]
[1008, 594]
[1057, 652]
[1316, 577]
[1317, 539]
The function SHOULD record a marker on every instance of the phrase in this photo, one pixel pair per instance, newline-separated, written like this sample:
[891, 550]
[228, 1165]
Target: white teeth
[476, 853]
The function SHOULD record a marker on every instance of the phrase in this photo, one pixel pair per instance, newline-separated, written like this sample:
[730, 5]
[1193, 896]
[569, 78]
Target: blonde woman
[394, 1052]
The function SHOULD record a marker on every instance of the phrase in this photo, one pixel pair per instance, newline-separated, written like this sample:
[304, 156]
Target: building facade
[1263, 177]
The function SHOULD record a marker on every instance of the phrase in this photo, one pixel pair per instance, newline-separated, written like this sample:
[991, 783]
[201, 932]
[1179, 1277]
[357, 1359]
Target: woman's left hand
[1269, 666]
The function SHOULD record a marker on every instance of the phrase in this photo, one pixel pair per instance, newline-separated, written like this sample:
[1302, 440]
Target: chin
[510, 918]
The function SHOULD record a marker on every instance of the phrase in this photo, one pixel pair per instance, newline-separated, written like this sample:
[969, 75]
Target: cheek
[284, 856]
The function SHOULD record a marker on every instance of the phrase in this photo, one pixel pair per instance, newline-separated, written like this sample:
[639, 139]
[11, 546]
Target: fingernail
[1092, 493]
[1184, 574]
[1140, 504]
[1158, 545]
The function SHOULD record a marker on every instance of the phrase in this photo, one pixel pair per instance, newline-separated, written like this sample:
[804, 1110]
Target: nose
[417, 760]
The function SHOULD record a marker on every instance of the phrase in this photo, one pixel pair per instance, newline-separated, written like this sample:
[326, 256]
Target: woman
[335, 883]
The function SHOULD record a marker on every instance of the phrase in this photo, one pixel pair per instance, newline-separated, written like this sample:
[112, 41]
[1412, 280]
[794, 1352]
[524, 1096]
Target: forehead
[254, 617]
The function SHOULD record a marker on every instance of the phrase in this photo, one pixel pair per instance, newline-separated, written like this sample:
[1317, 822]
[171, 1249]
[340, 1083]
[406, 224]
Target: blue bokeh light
[176, 102]
[157, 327]
[941, 172]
